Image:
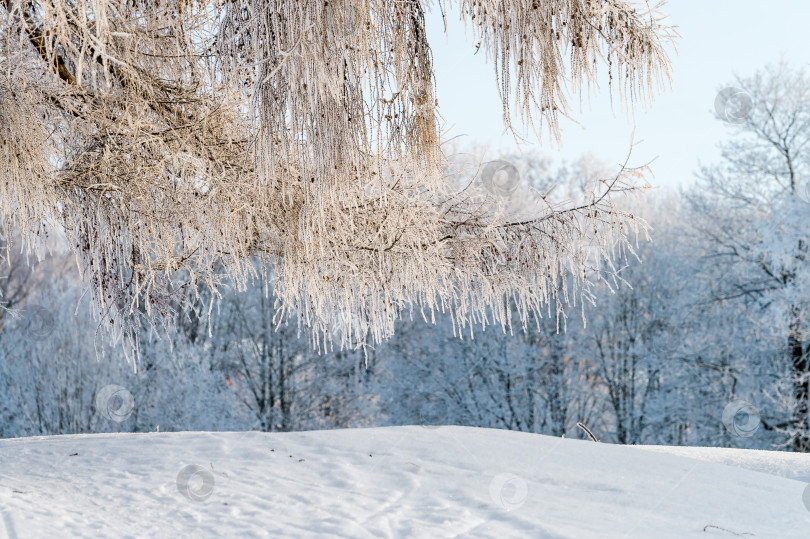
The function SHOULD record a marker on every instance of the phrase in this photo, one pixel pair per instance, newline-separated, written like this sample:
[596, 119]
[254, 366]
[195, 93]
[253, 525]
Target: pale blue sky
[718, 39]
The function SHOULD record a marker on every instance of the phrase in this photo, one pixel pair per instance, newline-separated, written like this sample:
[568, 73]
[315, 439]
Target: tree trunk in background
[801, 377]
[557, 405]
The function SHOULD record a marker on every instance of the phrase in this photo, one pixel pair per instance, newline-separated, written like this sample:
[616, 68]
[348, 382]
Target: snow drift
[392, 482]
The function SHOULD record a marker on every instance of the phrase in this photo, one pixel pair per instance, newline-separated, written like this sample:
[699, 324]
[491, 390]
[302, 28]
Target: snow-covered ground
[392, 482]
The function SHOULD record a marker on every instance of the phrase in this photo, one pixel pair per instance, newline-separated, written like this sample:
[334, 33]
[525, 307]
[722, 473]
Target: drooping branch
[191, 135]
[544, 50]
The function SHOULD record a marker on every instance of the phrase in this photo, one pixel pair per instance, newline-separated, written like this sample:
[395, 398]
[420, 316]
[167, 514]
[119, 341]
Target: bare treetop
[197, 136]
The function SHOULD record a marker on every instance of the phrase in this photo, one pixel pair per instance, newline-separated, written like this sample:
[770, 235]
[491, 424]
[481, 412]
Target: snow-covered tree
[752, 211]
[195, 134]
[274, 373]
